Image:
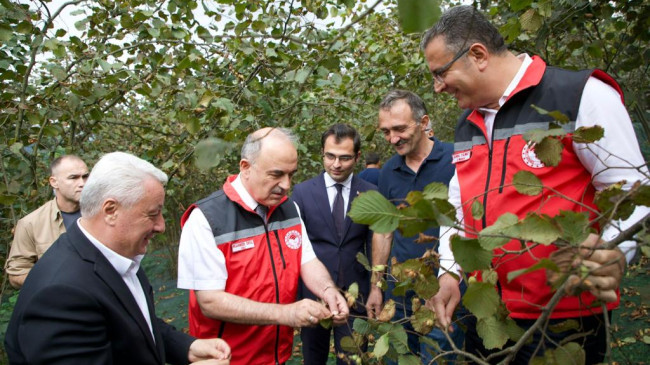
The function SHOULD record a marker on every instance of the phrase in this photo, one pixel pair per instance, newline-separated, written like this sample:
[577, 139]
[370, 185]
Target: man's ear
[53, 182]
[110, 208]
[244, 167]
[479, 54]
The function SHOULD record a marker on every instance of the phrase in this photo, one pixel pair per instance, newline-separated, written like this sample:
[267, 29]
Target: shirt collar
[123, 265]
[245, 196]
[329, 182]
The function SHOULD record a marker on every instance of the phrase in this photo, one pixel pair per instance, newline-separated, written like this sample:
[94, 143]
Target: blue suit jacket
[339, 257]
[75, 309]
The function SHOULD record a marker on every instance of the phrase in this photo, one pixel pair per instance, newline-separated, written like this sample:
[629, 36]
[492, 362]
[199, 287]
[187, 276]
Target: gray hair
[253, 143]
[462, 26]
[120, 176]
[418, 109]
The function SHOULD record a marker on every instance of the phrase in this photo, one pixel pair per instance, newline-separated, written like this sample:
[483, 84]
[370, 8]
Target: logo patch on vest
[293, 239]
[530, 158]
[461, 156]
[244, 245]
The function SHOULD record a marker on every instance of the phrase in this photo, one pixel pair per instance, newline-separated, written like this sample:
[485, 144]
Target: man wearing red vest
[242, 250]
[469, 60]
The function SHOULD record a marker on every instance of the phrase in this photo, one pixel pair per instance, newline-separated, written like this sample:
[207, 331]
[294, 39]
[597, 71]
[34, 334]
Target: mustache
[278, 190]
[400, 142]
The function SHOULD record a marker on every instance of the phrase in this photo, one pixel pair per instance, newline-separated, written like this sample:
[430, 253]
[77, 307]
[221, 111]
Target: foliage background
[182, 82]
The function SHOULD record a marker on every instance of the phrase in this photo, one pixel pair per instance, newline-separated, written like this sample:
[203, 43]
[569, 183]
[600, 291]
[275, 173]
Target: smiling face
[268, 178]
[339, 159]
[454, 78]
[400, 130]
[136, 225]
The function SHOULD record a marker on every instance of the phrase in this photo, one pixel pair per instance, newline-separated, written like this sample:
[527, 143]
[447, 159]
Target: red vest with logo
[263, 264]
[485, 174]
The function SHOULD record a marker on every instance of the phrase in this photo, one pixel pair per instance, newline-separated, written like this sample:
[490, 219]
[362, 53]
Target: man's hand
[337, 304]
[213, 351]
[303, 313]
[445, 301]
[375, 302]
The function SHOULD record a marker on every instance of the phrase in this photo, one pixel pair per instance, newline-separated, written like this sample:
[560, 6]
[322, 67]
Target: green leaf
[477, 210]
[435, 190]
[531, 20]
[348, 344]
[525, 182]
[537, 135]
[363, 260]
[570, 353]
[381, 346]
[373, 209]
[7, 199]
[398, 338]
[423, 320]
[418, 15]
[641, 195]
[481, 299]
[5, 32]
[469, 254]
[24, 27]
[549, 151]
[570, 324]
[588, 134]
[361, 326]
[210, 151]
[408, 359]
[301, 76]
[574, 226]
[499, 233]
[555, 114]
[492, 331]
[538, 229]
[541, 264]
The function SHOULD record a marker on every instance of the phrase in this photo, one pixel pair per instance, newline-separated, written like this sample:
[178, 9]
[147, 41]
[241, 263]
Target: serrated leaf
[537, 135]
[381, 346]
[408, 359]
[538, 229]
[493, 332]
[477, 210]
[436, 190]
[209, 152]
[348, 344]
[469, 254]
[363, 260]
[513, 331]
[499, 233]
[549, 151]
[301, 76]
[569, 324]
[555, 114]
[481, 299]
[418, 15]
[525, 182]
[574, 226]
[371, 208]
[398, 338]
[588, 134]
[531, 20]
[541, 264]
[361, 326]
[423, 320]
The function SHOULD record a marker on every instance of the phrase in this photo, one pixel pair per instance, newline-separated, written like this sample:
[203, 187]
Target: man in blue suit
[324, 202]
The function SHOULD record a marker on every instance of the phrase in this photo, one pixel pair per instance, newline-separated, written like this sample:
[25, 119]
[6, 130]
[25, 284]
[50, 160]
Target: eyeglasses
[438, 74]
[342, 158]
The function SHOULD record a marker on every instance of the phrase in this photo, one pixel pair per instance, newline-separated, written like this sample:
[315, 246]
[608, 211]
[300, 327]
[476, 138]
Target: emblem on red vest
[530, 158]
[293, 239]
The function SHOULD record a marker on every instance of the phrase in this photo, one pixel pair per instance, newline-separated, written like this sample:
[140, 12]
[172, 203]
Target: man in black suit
[324, 202]
[87, 301]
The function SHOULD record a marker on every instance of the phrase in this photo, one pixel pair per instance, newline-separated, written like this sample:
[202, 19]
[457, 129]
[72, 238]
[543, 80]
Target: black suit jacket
[339, 257]
[75, 309]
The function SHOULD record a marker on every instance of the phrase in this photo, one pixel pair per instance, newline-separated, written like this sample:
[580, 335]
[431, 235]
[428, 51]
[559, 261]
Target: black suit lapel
[107, 273]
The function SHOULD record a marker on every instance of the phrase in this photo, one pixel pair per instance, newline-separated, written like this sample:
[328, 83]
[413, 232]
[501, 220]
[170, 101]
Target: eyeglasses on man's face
[439, 73]
[341, 158]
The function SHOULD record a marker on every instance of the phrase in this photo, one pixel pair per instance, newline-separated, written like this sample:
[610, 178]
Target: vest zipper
[277, 292]
[277, 237]
[503, 169]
